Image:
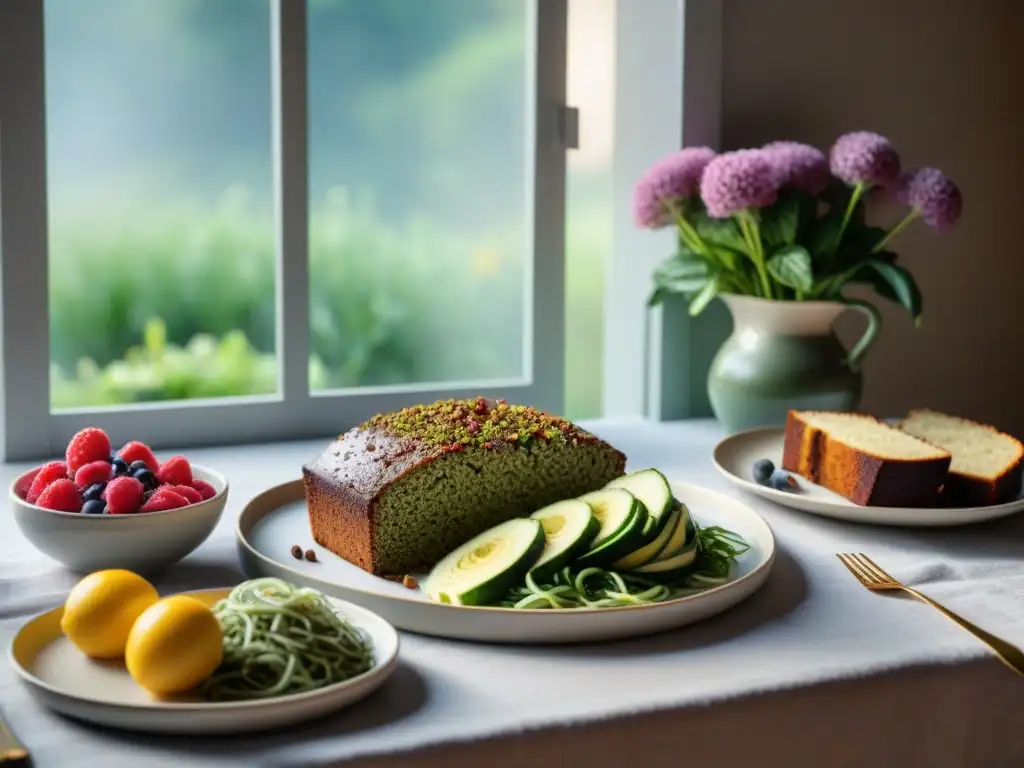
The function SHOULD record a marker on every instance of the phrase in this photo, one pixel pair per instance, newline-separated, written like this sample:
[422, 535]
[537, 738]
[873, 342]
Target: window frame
[31, 431]
[670, 53]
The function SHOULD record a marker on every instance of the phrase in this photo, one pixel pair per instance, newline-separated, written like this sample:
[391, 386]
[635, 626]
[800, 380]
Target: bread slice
[864, 459]
[987, 464]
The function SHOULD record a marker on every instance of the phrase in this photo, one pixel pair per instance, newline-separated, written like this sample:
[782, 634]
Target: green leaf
[678, 274]
[702, 299]
[154, 337]
[729, 258]
[826, 233]
[685, 253]
[897, 284]
[857, 242]
[791, 266]
[657, 296]
[865, 237]
[676, 268]
[779, 222]
[807, 218]
[721, 232]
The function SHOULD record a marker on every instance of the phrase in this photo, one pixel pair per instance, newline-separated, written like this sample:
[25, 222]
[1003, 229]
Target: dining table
[811, 670]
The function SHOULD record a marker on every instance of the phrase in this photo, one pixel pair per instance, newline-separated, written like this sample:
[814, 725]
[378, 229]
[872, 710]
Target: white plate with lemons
[161, 642]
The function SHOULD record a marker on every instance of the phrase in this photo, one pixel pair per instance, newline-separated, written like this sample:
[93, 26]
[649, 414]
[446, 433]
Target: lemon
[174, 645]
[100, 611]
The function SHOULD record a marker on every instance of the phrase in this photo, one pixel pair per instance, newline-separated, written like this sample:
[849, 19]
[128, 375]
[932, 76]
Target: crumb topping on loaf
[481, 423]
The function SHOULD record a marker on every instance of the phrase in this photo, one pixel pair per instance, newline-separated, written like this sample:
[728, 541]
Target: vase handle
[864, 343]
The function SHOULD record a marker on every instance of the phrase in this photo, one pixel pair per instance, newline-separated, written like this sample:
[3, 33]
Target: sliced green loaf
[402, 490]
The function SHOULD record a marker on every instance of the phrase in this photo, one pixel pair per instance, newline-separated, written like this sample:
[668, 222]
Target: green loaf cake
[399, 492]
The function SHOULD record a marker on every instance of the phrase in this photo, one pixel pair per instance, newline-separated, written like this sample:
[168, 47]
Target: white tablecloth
[813, 670]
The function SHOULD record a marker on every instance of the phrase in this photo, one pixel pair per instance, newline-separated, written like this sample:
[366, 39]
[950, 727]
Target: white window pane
[160, 200]
[419, 175]
[591, 89]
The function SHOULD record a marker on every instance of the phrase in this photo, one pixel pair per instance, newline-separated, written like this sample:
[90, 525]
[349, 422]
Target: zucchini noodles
[281, 639]
[600, 588]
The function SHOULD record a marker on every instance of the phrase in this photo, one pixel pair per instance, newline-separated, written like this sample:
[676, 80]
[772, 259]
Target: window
[268, 219]
[419, 188]
[160, 201]
[252, 220]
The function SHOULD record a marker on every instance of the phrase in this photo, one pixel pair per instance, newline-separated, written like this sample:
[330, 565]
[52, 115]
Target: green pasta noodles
[281, 639]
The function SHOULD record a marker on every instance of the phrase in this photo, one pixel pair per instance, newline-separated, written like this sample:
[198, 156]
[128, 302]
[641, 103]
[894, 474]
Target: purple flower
[671, 179]
[865, 157]
[737, 180]
[799, 166]
[931, 192]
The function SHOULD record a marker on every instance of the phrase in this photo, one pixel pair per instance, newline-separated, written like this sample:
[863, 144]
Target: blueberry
[763, 469]
[94, 491]
[146, 477]
[120, 467]
[94, 507]
[111, 459]
[782, 481]
[135, 466]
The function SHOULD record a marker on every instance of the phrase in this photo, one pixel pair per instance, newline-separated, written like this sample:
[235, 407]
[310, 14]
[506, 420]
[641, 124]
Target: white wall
[944, 79]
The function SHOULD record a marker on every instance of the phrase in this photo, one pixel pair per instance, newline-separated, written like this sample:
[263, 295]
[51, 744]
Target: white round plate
[64, 679]
[734, 458]
[276, 520]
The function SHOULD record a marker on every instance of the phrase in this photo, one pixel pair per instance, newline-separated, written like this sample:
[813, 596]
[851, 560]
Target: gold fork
[874, 578]
[10, 749]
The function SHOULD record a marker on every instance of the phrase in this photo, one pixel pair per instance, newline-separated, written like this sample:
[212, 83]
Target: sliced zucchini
[672, 567]
[680, 535]
[653, 491]
[613, 510]
[623, 521]
[486, 567]
[649, 551]
[569, 529]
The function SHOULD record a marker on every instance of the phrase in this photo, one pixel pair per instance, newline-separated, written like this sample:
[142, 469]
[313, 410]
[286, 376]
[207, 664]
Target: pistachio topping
[457, 424]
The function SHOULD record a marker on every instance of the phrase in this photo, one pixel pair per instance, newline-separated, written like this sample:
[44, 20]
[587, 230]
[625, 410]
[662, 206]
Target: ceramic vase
[783, 355]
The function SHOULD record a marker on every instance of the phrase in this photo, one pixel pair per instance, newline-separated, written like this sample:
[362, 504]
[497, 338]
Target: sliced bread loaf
[402, 490]
[864, 459]
[986, 466]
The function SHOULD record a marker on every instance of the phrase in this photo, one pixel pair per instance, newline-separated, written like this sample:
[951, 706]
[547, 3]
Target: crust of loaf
[862, 477]
[346, 482]
[963, 490]
[970, 491]
[338, 520]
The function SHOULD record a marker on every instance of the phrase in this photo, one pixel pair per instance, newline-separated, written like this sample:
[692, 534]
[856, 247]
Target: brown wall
[944, 79]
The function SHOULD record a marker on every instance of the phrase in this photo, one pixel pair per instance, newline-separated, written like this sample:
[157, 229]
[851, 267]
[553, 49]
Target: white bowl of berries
[101, 509]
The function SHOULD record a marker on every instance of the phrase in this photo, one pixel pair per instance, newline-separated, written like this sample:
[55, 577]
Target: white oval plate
[64, 679]
[734, 458]
[276, 520]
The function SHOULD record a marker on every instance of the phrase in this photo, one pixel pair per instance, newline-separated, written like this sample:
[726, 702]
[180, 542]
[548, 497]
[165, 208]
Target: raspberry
[162, 499]
[48, 473]
[91, 444]
[93, 472]
[175, 471]
[61, 495]
[206, 490]
[136, 451]
[191, 494]
[123, 495]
